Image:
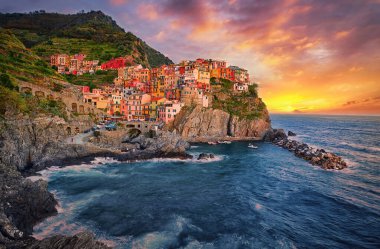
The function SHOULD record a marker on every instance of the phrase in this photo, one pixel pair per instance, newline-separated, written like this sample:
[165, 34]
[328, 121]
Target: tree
[252, 89]
[5, 81]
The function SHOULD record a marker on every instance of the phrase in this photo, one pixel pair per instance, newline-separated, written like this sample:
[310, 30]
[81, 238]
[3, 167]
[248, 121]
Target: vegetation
[5, 81]
[92, 33]
[245, 105]
[14, 102]
[92, 80]
[252, 90]
[17, 62]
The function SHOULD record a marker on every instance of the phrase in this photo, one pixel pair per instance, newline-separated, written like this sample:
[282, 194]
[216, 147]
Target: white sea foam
[167, 237]
[362, 147]
[190, 160]
[62, 223]
[98, 161]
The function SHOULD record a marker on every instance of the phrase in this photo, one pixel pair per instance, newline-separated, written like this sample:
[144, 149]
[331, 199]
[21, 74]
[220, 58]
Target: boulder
[290, 133]
[205, 156]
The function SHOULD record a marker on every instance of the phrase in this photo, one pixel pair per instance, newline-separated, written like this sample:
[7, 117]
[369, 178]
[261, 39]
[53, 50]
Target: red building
[182, 70]
[85, 89]
[114, 63]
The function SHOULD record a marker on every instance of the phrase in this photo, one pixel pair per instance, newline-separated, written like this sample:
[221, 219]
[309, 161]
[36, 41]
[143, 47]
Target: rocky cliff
[207, 124]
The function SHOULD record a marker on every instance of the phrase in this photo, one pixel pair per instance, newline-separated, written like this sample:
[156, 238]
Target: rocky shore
[319, 157]
[29, 146]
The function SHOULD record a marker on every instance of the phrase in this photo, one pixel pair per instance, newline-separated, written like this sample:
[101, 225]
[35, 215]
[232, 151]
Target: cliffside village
[157, 94]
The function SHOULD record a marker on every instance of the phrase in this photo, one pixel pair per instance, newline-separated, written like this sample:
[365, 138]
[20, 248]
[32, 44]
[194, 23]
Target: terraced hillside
[92, 33]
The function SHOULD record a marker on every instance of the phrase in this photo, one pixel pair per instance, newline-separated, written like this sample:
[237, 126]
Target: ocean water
[244, 198]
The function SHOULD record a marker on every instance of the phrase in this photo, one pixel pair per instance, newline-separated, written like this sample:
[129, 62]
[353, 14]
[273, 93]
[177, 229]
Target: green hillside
[92, 33]
[21, 63]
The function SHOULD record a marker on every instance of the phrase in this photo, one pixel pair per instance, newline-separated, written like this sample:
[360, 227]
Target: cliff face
[201, 122]
[208, 124]
[31, 143]
[238, 127]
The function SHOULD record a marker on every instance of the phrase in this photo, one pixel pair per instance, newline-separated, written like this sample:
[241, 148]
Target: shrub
[5, 81]
[252, 90]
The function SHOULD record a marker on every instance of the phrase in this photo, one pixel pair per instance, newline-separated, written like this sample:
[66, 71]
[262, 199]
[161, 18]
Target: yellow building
[204, 77]
[155, 102]
[158, 88]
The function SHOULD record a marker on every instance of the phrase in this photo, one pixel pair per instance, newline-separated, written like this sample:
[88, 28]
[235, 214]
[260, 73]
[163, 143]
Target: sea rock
[205, 156]
[23, 204]
[275, 135]
[83, 240]
[165, 144]
[290, 133]
[320, 157]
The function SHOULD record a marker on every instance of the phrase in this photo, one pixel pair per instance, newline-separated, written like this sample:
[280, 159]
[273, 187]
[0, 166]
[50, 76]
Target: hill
[92, 33]
[21, 63]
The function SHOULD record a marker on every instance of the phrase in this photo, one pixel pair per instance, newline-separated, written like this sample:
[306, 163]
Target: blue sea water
[245, 198]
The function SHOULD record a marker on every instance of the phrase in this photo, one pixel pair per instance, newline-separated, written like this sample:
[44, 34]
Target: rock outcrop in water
[205, 156]
[165, 144]
[207, 124]
[320, 157]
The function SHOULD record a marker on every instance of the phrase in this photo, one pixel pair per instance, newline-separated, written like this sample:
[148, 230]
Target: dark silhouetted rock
[205, 156]
[290, 133]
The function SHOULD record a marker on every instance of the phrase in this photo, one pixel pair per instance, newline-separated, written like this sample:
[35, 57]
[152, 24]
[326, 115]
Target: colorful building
[169, 110]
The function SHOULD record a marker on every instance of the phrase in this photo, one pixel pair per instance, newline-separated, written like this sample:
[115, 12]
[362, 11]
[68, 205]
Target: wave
[168, 237]
[190, 160]
[98, 161]
[361, 146]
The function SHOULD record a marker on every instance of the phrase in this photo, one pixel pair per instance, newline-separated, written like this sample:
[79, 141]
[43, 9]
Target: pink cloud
[117, 2]
[147, 11]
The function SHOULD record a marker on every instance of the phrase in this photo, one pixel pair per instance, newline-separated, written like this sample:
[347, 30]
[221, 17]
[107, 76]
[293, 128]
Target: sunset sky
[307, 56]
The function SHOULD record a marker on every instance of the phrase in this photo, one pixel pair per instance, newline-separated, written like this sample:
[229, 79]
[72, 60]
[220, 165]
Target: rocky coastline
[319, 157]
[28, 147]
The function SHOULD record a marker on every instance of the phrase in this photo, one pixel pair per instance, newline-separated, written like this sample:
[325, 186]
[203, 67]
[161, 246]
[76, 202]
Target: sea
[243, 198]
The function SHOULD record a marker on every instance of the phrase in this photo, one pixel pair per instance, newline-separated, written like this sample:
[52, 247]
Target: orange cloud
[147, 11]
[342, 34]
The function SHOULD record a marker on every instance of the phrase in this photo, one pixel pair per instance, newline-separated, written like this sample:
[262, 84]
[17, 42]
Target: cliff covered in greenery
[92, 33]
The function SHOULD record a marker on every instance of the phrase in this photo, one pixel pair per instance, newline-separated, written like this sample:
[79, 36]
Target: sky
[307, 56]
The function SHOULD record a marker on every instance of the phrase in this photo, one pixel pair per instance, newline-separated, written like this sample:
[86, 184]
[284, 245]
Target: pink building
[169, 110]
[136, 107]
